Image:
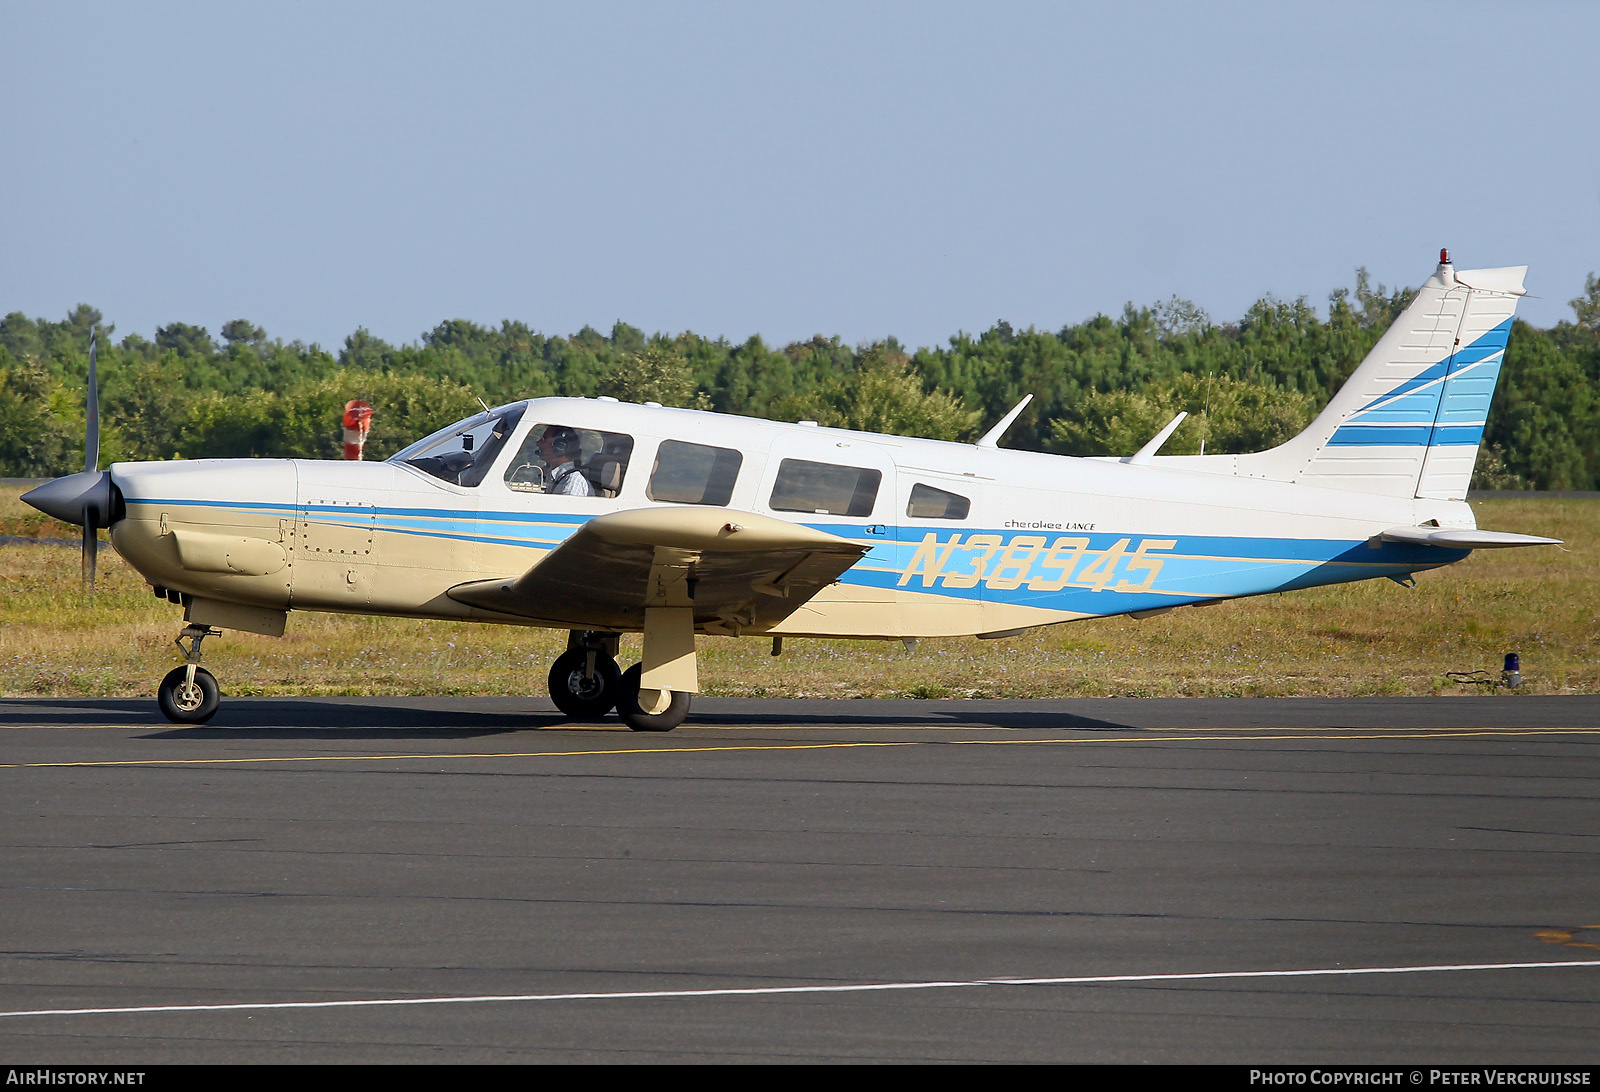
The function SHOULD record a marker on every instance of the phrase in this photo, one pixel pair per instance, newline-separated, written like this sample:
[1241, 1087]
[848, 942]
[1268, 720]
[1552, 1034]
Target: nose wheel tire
[663, 719]
[579, 695]
[189, 703]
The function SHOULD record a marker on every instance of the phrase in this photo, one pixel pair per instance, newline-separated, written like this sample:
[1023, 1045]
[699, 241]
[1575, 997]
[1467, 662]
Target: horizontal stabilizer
[1464, 539]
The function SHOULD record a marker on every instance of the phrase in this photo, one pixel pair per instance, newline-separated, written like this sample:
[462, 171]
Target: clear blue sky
[860, 169]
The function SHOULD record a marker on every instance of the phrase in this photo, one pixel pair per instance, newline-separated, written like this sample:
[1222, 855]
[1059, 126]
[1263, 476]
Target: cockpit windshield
[462, 453]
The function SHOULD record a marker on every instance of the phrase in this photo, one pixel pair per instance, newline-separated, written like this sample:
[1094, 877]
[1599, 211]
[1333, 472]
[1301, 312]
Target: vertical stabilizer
[1409, 421]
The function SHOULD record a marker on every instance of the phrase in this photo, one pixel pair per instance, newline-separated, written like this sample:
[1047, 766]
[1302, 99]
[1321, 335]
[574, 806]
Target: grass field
[1354, 639]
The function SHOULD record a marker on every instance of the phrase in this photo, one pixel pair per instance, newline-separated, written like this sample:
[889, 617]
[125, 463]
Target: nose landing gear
[189, 694]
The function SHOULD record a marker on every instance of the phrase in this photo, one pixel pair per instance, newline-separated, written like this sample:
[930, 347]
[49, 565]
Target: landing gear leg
[583, 680]
[189, 694]
[655, 692]
[666, 710]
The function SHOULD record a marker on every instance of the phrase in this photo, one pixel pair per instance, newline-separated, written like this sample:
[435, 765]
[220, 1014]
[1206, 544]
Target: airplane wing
[1463, 539]
[737, 570]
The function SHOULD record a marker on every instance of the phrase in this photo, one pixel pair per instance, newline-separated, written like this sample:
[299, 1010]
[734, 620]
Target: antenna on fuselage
[1148, 451]
[482, 403]
[992, 437]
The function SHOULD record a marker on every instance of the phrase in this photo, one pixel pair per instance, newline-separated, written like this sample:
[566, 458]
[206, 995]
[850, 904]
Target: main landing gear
[584, 678]
[189, 694]
[586, 684]
[665, 711]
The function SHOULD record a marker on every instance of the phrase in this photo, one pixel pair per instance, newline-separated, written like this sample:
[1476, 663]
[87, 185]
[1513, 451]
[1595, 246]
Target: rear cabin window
[930, 503]
[693, 473]
[823, 489]
[601, 458]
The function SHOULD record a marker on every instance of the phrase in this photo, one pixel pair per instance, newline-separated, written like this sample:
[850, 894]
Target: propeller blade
[91, 446]
[91, 547]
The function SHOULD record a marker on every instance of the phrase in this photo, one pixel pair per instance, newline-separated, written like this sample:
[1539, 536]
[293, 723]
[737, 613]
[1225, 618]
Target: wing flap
[737, 570]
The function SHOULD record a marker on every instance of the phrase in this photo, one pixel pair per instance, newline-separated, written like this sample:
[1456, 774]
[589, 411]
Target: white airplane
[604, 518]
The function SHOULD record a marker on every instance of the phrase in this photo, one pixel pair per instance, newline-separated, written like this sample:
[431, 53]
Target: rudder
[1410, 420]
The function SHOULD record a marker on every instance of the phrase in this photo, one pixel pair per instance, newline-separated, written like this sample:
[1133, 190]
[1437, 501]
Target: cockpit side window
[462, 455]
[930, 503]
[687, 473]
[825, 489]
[567, 461]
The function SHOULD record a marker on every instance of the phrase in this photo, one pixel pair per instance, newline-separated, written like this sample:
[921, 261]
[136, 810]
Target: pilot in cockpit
[562, 452]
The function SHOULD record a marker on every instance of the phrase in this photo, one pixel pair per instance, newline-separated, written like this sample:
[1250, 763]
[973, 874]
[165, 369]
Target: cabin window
[930, 503]
[823, 489]
[568, 461]
[462, 454]
[693, 473]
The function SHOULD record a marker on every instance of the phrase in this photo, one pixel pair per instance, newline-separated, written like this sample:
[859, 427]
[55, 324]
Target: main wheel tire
[639, 720]
[580, 697]
[186, 704]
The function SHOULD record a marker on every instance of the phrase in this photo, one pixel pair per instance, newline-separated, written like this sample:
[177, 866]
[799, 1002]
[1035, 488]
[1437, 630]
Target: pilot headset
[563, 441]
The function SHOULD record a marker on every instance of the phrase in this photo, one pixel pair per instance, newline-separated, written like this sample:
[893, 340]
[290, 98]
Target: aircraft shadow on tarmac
[413, 718]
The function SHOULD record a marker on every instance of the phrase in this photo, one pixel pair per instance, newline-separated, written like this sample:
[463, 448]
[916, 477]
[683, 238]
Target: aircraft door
[846, 488]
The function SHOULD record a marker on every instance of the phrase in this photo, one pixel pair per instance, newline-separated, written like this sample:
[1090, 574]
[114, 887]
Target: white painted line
[777, 991]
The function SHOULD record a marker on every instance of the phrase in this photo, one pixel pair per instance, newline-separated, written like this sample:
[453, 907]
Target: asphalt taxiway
[414, 880]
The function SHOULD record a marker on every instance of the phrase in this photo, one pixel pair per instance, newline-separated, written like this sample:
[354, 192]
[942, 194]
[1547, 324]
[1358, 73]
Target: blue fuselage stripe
[1096, 572]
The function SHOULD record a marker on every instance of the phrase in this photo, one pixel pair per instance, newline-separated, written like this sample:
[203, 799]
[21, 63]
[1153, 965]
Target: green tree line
[1102, 386]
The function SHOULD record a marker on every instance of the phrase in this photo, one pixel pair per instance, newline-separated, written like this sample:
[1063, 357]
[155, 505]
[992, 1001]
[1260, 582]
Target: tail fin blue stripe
[1446, 404]
[1493, 341]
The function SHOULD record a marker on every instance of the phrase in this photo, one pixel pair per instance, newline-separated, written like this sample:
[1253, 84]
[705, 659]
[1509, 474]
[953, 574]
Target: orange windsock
[357, 421]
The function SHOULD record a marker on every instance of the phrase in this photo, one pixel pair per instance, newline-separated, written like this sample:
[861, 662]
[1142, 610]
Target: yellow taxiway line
[1264, 735]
